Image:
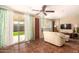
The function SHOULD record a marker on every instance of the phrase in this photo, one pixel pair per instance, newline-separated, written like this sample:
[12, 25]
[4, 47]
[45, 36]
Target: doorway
[37, 36]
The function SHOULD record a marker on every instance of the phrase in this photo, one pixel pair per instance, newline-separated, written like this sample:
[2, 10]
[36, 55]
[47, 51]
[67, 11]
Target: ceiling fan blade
[44, 7]
[37, 13]
[49, 11]
[45, 13]
[35, 10]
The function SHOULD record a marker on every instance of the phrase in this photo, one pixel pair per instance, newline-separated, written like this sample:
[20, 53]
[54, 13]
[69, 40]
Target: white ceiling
[60, 10]
[63, 10]
[20, 8]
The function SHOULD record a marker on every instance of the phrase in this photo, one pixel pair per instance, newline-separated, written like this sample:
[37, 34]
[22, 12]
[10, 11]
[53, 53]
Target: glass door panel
[18, 30]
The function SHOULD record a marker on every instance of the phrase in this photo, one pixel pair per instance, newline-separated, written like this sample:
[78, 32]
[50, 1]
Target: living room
[49, 28]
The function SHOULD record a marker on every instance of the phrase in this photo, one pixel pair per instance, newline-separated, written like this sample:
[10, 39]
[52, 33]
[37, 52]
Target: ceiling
[20, 8]
[60, 10]
[63, 11]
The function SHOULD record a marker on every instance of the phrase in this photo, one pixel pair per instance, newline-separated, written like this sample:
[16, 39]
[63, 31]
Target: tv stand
[72, 35]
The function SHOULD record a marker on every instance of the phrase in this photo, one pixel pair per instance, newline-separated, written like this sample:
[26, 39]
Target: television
[65, 26]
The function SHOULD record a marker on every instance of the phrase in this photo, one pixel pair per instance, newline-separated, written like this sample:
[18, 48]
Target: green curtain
[42, 20]
[29, 27]
[3, 22]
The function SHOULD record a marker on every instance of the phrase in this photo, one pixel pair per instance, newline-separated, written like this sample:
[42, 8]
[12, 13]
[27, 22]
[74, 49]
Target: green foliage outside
[18, 33]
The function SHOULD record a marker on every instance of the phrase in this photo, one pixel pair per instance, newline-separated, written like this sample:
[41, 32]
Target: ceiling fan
[43, 10]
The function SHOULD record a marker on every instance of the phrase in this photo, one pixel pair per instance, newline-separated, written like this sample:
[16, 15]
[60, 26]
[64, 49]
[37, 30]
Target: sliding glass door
[18, 30]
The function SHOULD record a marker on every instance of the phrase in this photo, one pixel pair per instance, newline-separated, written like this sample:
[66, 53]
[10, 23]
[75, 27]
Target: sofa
[55, 38]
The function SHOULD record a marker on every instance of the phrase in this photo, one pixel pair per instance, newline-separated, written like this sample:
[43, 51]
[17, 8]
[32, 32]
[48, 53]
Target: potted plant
[77, 29]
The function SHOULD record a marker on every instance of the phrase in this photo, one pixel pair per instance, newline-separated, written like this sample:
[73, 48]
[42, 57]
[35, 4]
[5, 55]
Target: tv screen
[68, 26]
[65, 26]
[62, 26]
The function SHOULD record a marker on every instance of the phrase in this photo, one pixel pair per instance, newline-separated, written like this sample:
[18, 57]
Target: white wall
[46, 25]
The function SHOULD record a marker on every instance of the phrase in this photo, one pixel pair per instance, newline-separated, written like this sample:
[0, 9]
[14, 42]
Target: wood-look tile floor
[40, 46]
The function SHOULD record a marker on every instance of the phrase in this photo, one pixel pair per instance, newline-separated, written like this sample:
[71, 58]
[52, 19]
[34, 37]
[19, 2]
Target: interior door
[37, 28]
